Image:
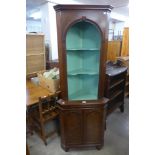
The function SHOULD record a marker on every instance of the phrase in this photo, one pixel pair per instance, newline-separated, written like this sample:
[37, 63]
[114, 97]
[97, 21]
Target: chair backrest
[46, 105]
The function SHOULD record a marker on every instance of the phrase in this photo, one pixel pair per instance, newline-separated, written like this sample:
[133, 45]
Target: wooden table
[34, 91]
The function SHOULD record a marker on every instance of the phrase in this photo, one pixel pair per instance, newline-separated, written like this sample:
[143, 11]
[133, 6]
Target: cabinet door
[72, 126]
[93, 126]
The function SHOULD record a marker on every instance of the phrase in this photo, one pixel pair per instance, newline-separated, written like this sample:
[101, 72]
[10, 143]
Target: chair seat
[50, 116]
[47, 117]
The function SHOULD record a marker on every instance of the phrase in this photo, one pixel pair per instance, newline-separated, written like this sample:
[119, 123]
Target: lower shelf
[83, 95]
[83, 87]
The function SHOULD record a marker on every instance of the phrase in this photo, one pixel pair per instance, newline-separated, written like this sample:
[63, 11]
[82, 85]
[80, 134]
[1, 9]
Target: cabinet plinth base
[98, 147]
[67, 148]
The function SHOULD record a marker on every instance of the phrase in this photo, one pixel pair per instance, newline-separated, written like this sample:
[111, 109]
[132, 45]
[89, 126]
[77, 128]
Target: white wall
[119, 27]
[49, 26]
[48, 21]
[111, 28]
[53, 31]
[33, 26]
[46, 26]
[120, 21]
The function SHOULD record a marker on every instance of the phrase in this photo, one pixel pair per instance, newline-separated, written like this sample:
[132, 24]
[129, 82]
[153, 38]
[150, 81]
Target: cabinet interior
[83, 43]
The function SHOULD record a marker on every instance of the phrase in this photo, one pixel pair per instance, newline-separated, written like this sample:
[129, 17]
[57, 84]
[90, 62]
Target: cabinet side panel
[62, 57]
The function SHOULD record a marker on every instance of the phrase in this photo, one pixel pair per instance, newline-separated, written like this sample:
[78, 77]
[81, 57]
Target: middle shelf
[83, 71]
[83, 49]
[82, 62]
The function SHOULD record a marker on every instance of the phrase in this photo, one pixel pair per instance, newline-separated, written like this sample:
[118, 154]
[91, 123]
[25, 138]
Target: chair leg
[122, 108]
[105, 127]
[43, 134]
[29, 125]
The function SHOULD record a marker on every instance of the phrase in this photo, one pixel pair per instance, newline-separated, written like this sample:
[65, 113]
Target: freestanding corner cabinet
[82, 46]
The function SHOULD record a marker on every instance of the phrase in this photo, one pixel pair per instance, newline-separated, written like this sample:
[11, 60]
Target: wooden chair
[46, 112]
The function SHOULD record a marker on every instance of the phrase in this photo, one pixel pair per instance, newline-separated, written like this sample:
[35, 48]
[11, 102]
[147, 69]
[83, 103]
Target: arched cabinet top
[83, 19]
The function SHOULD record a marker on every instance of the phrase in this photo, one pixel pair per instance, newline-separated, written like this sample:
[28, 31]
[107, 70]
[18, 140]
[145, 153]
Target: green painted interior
[83, 54]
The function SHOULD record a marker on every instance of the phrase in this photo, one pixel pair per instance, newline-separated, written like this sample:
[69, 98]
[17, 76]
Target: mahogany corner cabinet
[82, 48]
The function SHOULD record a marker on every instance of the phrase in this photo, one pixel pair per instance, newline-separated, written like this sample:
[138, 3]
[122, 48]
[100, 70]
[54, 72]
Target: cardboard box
[124, 61]
[51, 84]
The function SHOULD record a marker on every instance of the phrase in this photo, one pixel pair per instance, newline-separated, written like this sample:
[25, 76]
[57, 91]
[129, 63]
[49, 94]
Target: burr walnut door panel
[93, 122]
[73, 127]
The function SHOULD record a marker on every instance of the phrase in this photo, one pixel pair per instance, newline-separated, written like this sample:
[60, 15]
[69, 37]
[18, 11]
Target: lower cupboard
[82, 124]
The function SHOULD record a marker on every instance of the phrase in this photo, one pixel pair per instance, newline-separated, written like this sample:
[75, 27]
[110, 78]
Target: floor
[116, 139]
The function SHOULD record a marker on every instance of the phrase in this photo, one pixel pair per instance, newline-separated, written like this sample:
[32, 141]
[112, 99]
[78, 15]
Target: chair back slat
[46, 106]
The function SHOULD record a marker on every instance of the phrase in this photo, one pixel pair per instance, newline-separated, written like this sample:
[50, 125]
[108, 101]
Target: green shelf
[83, 95]
[83, 71]
[88, 61]
[91, 49]
[82, 84]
